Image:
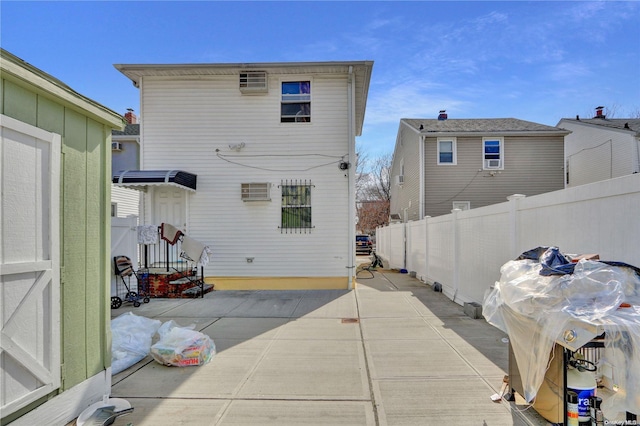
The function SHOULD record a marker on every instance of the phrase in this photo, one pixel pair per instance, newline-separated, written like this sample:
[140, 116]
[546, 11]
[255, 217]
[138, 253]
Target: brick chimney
[599, 112]
[443, 115]
[130, 117]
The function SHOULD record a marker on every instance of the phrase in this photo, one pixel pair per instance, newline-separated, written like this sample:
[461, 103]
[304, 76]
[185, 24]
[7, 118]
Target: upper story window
[296, 102]
[447, 151]
[492, 153]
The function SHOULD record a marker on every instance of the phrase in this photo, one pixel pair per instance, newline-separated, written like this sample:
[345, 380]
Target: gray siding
[407, 195]
[533, 165]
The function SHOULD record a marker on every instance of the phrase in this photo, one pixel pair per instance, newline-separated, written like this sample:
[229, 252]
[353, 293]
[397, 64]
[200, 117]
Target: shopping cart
[123, 268]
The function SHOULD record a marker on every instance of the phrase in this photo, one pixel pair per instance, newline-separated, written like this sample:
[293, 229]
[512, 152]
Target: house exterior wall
[407, 195]
[190, 123]
[85, 127]
[532, 165]
[594, 153]
[127, 200]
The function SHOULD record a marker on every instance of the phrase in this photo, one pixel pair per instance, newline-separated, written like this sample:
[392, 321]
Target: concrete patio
[392, 352]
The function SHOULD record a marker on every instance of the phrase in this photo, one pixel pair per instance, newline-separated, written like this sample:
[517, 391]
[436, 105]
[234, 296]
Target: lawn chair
[123, 268]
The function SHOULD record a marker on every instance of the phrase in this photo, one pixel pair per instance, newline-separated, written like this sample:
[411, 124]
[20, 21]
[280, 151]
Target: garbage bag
[182, 346]
[131, 337]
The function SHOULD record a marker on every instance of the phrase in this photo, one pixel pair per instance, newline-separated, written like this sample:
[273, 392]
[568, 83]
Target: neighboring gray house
[600, 148]
[442, 164]
[125, 155]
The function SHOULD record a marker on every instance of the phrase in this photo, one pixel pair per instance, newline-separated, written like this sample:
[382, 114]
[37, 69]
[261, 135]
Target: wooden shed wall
[84, 224]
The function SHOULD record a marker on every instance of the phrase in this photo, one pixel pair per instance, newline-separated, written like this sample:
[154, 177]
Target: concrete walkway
[392, 352]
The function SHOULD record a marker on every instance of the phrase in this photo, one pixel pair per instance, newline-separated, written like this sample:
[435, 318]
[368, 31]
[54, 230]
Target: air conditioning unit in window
[253, 82]
[116, 146]
[492, 164]
[255, 191]
[399, 179]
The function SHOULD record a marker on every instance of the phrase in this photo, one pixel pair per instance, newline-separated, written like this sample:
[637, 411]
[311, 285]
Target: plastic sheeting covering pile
[539, 294]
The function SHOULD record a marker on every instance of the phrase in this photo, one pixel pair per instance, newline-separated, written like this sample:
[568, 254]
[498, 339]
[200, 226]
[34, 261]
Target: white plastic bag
[182, 346]
[131, 337]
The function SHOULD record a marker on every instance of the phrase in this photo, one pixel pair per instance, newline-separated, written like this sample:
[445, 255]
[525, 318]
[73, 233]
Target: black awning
[138, 179]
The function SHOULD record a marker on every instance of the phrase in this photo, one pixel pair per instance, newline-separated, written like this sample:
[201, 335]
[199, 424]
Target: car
[363, 244]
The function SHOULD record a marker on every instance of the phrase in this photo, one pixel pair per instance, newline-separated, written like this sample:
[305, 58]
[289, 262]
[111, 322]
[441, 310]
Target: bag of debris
[182, 346]
[131, 337]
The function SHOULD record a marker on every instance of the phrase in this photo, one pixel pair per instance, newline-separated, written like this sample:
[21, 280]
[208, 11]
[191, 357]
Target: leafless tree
[373, 193]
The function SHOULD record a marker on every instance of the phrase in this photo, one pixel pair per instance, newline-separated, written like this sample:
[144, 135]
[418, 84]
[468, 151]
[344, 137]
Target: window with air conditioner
[116, 146]
[295, 106]
[253, 82]
[492, 153]
[255, 191]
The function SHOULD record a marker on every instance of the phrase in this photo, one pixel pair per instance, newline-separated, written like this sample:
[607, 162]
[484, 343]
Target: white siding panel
[189, 125]
[127, 200]
[594, 154]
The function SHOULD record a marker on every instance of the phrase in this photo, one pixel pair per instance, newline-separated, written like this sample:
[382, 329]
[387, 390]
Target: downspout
[421, 139]
[351, 243]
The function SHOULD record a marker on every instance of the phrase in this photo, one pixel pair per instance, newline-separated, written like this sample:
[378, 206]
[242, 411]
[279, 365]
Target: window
[462, 205]
[493, 153]
[447, 151]
[296, 102]
[296, 206]
[114, 209]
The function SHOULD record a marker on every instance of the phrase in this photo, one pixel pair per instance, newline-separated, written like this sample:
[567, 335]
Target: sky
[538, 61]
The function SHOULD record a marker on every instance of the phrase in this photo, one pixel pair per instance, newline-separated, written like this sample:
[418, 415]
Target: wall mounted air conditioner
[399, 179]
[255, 191]
[116, 146]
[492, 164]
[253, 82]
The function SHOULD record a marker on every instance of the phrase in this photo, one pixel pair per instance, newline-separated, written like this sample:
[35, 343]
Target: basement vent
[253, 82]
[255, 192]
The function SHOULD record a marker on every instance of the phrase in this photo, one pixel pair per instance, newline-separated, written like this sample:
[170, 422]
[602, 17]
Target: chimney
[599, 112]
[443, 115]
[130, 117]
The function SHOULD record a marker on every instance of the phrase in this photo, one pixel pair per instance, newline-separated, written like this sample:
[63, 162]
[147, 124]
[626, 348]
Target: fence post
[426, 248]
[513, 224]
[456, 253]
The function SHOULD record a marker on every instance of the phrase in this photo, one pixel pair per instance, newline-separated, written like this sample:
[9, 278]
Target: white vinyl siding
[593, 153]
[127, 201]
[189, 125]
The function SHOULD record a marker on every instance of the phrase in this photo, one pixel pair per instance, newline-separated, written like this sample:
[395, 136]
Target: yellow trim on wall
[278, 283]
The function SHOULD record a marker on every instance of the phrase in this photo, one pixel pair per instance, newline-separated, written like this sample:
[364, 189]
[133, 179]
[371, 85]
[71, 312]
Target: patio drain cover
[350, 320]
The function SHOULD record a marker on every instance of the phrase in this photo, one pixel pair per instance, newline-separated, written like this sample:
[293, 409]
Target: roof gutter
[497, 133]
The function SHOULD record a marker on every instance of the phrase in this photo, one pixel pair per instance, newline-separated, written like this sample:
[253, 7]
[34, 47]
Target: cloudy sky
[538, 61]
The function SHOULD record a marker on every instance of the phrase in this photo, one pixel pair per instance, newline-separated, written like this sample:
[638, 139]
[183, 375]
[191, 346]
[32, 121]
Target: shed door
[29, 264]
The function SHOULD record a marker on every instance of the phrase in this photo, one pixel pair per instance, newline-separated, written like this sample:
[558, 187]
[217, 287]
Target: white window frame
[462, 205]
[485, 160]
[306, 119]
[454, 151]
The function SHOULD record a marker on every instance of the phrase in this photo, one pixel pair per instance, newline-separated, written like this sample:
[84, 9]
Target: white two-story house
[600, 148]
[257, 161]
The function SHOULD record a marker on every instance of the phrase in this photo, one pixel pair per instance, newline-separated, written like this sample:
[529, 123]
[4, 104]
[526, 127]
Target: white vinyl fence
[464, 250]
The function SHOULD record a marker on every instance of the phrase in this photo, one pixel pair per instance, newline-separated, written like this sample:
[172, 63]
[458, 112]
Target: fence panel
[464, 251]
